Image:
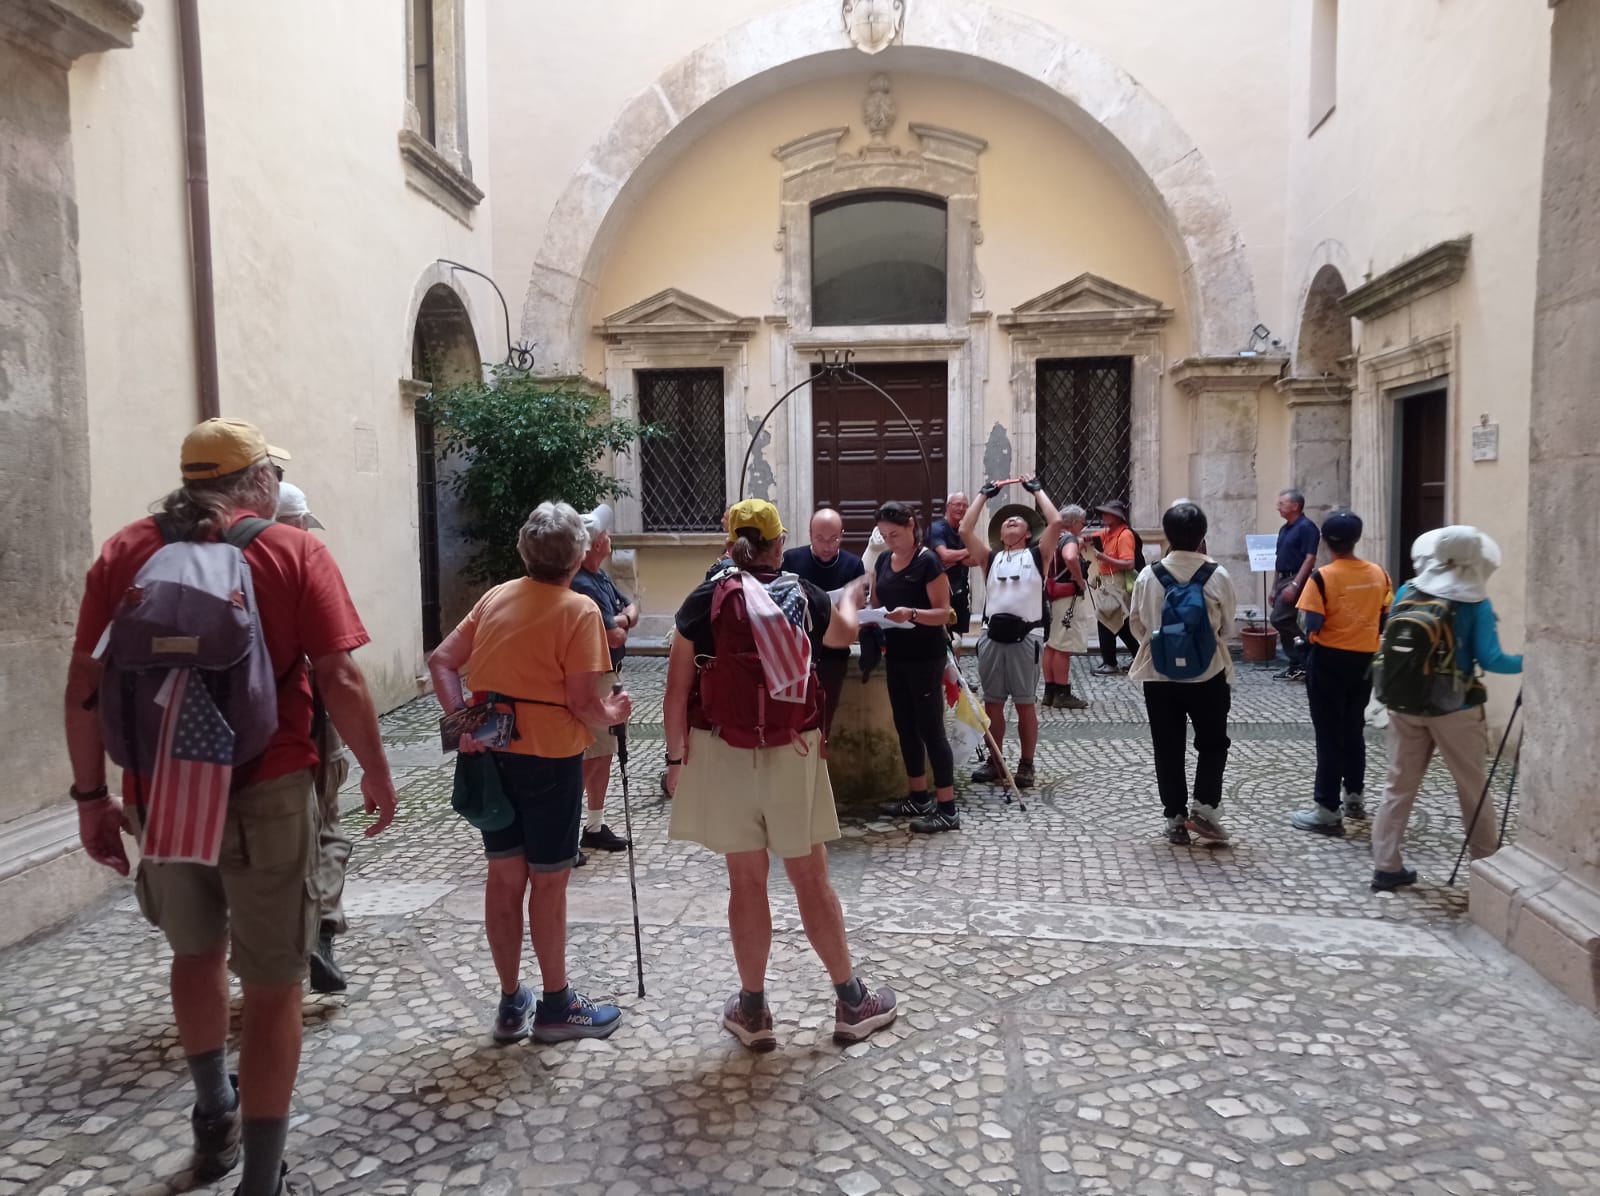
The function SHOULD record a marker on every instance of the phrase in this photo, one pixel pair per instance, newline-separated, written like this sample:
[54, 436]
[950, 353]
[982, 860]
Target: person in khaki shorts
[743, 802]
[1453, 563]
[254, 909]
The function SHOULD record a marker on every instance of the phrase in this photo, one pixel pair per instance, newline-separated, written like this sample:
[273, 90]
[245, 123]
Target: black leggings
[916, 695]
[1108, 642]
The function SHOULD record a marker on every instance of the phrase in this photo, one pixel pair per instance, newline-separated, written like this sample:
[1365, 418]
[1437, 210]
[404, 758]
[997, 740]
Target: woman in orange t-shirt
[540, 647]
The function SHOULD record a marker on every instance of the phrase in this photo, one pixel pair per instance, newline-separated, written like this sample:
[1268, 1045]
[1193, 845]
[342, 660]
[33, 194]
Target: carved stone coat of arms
[873, 25]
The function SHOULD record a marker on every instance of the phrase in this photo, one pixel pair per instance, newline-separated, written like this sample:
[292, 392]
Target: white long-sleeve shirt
[1149, 595]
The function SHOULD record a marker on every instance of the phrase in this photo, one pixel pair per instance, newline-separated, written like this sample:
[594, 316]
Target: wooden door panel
[864, 454]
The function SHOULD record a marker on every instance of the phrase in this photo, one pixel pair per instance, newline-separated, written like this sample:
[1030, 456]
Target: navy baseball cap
[1342, 527]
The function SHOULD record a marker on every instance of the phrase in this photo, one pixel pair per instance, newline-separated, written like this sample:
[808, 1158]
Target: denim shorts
[546, 796]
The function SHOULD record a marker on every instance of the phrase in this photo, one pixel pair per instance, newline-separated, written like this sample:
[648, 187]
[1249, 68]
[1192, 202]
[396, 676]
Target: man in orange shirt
[1341, 609]
[1120, 561]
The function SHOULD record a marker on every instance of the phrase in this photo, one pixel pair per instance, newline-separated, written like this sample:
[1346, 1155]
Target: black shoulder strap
[1203, 574]
[1163, 575]
[169, 530]
[242, 533]
[1316, 576]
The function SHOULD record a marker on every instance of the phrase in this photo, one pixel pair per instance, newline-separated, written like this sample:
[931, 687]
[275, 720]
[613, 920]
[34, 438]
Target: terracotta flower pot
[1260, 643]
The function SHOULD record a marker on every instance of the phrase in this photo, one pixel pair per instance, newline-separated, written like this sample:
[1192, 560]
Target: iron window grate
[1085, 429]
[681, 473]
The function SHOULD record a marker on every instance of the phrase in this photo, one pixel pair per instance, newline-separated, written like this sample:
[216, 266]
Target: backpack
[1185, 643]
[1415, 669]
[192, 605]
[731, 698]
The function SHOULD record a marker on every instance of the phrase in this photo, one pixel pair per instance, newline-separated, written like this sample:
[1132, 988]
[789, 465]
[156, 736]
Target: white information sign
[1263, 552]
[1486, 442]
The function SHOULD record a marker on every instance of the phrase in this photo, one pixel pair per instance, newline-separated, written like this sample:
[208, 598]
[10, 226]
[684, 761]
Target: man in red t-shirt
[259, 898]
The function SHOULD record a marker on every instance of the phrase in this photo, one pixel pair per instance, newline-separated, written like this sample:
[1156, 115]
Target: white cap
[292, 505]
[598, 520]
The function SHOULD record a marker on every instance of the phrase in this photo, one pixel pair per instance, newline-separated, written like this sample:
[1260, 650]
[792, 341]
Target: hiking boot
[908, 806]
[1293, 673]
[1024, 775]
[1354, 807]
[582, 1018]
[852, 1023]
[1177, 832]
[1204, 825]
[754, 1031]
[216, 1140]
[325, 974]
[604, 839]
[1319, 820]
[986, 773]
[1067, 700]
[512, 1019]
[1105, 670]
[1388, 882]
[935, 822]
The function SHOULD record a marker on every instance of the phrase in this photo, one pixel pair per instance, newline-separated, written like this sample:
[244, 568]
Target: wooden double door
[864, 453]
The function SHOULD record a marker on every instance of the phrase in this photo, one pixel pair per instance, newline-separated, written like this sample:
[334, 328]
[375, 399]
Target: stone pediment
[674, 313]
[1088, 300]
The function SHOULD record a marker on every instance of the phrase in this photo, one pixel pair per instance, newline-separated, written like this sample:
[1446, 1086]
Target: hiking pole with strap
[1472, 823]
[621, 732]
[1005, 773]
[1511, 789]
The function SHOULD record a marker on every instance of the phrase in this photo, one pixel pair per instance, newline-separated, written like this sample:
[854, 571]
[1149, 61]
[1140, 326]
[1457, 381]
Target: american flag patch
[187, 802]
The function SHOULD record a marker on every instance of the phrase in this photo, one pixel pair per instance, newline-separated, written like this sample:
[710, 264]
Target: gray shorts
[1009, 670]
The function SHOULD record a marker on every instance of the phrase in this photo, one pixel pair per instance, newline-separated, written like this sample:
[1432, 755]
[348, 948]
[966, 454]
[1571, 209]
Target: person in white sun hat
[1453, 566]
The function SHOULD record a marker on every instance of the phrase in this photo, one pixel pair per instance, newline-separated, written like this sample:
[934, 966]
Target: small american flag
[776, 620]
[188, 798]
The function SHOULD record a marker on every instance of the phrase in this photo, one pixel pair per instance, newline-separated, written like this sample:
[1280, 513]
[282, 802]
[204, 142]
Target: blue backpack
[1183, 646]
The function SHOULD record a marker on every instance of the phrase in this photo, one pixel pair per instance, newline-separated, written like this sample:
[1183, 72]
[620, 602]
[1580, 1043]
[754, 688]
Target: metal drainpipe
[200, 262]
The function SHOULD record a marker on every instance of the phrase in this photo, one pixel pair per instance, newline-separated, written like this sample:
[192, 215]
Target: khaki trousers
[1462, 739]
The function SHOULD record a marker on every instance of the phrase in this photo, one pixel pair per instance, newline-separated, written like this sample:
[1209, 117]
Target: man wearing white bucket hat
[1441, 617]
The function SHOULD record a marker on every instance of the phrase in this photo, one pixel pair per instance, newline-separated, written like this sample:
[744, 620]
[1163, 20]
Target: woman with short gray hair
[539, 647]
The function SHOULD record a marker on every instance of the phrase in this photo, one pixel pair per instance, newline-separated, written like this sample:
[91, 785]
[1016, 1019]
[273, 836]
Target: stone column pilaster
[1224, 427]
[1541, 896]
[1319, 442]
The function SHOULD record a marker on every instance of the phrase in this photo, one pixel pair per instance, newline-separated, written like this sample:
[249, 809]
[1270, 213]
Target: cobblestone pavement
[1086, 1009]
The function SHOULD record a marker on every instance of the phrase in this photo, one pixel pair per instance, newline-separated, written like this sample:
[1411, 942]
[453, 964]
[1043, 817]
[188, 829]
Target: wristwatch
[97, 794]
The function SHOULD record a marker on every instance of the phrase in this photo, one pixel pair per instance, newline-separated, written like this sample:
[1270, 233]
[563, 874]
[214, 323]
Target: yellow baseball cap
[756, 513]
[220, 447]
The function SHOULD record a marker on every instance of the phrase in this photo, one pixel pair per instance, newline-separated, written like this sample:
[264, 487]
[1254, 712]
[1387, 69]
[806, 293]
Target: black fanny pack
[1008, 629]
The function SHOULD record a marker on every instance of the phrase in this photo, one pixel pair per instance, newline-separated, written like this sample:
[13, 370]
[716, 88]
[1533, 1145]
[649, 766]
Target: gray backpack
[191, 606]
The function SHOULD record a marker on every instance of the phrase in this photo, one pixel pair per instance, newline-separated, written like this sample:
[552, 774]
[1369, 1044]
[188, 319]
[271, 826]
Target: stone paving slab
[1086, 1010]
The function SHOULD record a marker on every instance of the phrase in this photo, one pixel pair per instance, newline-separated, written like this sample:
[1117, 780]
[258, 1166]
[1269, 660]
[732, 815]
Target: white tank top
[1015, 586]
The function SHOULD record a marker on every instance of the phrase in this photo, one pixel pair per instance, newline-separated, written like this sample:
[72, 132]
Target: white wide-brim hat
[1455, 563]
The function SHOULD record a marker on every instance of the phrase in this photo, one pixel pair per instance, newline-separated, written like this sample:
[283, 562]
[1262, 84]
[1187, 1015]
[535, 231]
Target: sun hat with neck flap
[1455, 563]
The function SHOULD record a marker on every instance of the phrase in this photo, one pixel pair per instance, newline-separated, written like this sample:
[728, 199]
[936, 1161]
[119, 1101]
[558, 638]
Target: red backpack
[730, 697]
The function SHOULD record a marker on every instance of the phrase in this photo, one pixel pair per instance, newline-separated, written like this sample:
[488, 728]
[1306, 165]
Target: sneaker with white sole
[909, 806]
[1319, 820]
[1178, 832]
[582, 1018]
[754, 1030]
[852, 1023]
[1354, 807]
[935, 822]
[515, 1015]
[1205, 826]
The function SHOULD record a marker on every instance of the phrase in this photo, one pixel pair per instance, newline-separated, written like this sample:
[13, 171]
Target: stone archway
[1014, 54]
[1317, 393]
[444, 352]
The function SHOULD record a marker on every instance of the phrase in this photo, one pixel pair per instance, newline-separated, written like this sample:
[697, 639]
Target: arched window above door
[879, 257]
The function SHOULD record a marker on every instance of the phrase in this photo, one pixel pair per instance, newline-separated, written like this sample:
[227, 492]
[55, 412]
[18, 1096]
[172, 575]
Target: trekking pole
[621, 732]
[1472, 823]
[1505, 815]
[1005, 773]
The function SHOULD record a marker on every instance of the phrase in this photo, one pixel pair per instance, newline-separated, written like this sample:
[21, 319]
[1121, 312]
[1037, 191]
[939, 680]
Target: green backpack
[1415, 670]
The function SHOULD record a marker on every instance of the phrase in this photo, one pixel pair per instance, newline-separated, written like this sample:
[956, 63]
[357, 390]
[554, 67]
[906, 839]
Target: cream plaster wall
[614, 51]
[319, 247]
[1049, 206]
[1437, 132]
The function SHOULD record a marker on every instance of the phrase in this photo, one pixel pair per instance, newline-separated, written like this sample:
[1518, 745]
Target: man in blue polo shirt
[944, 537]
[828, 567]
[1298, 539]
